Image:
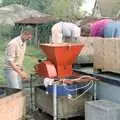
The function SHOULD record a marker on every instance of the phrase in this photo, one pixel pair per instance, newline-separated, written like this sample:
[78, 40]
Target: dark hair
[27, 30]
[85, 30]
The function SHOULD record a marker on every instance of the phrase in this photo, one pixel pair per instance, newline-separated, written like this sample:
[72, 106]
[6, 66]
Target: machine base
[66, 107]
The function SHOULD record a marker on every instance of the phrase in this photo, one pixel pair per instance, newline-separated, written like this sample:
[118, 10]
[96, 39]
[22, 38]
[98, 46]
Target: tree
[67, 9]
[22, 2]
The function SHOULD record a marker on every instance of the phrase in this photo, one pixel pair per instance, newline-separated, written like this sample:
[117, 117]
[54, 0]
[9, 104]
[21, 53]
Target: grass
[29, 63]
[31, 57]
[2, 80]
[34, 52]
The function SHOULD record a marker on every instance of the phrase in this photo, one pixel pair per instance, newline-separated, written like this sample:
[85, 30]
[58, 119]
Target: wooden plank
[117, 52]
[107, 54]
[88, 48]
[86, 55]
[98, 60]
[12, 107]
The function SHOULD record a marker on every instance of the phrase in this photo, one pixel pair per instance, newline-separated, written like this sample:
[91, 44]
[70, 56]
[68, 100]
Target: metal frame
[111, 78]
[32, 107]
[55, 103]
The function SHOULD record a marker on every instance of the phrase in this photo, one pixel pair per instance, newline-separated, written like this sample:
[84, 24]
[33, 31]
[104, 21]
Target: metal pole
[95, 88]
[31, 97]
[54, 101]
[95, 4]
[36, 36]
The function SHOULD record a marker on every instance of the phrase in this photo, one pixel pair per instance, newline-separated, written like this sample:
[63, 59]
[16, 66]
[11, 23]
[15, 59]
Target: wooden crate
[12, 106]
[107, 54]
[86, 55]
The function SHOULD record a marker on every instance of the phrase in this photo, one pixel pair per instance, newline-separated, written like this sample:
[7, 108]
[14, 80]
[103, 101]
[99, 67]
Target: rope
[82, 78]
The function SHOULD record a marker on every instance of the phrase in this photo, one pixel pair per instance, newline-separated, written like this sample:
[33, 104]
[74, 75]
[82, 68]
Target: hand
[23, 75]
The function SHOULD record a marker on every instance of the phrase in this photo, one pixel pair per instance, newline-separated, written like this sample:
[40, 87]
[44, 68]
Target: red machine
[58, 66]
[60, 58]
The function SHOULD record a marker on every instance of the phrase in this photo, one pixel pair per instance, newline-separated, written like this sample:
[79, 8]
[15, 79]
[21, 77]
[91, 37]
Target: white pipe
[95, 88]
[54, 101]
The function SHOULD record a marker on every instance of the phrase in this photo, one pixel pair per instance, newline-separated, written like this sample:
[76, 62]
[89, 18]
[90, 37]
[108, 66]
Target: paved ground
[43, 116]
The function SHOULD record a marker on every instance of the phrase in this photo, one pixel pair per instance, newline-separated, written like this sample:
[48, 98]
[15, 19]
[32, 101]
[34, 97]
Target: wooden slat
[107, 54]
[86, 55]
[98, 54]
[12, 107]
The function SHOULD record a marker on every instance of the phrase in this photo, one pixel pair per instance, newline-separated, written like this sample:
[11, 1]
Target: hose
[84, 78]
[73, 99]
[77, 88]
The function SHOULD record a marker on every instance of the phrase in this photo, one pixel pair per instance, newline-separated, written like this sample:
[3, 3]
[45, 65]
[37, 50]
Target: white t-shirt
[65, 29]
[70, 30]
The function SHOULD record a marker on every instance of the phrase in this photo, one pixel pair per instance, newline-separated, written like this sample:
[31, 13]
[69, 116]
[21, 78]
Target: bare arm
[15, 67]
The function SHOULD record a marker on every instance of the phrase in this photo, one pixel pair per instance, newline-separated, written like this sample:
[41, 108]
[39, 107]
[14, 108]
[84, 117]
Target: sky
[88, 5]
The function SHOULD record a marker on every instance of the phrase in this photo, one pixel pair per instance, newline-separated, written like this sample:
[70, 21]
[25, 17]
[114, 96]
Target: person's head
[26, 34]
[85, 30]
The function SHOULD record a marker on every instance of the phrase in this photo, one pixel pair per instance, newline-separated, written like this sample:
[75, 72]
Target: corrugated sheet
[36, 20]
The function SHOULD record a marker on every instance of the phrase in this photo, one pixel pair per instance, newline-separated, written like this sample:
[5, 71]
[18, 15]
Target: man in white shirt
[65, 31]
[14, 56]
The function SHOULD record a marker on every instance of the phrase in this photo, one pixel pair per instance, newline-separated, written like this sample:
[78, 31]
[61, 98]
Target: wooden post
[30, 42]
[36, 35]
[22, 28]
